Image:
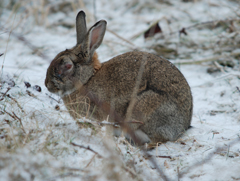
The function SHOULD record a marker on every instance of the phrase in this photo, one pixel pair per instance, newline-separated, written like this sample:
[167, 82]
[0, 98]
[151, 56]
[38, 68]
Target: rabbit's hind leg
[162, 121]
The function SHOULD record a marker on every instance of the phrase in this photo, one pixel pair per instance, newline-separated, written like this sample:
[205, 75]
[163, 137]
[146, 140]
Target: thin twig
[70, 174]
[205, 60]
[135, 90]
[8, 95]
[19, 121]
[159, 156]
[178, 173]
[108, 123]
[4, 94]
[10, 32]
[53, 98]
[122, 44]
[27, 136]
[31, 94]
[71, 169]
[238, 89]
[15, 117]
[219, 66]
[91, 160]
[9, 114]
[135, 122]
[94, 10]
[162, 174]
[20, 107]
[110, 31]
[87, 148]
[201, 24]
[134, 175]
[26, 42]
[164, 157]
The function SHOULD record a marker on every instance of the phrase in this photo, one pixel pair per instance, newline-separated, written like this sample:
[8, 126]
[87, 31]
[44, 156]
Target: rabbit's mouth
[62, 93]
[52, 89]
[59, 92]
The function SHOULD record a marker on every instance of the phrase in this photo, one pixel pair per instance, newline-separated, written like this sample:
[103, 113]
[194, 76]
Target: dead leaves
[154, 29]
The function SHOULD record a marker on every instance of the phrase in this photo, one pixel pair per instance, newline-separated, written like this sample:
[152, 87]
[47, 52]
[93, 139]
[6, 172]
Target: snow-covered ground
[36, 131]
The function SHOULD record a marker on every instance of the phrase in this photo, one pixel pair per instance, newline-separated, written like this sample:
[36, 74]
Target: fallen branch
[164, 157]
[86, 148]
[159, 156]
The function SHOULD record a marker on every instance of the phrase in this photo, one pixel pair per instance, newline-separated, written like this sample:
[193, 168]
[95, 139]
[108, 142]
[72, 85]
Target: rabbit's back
[118, 77]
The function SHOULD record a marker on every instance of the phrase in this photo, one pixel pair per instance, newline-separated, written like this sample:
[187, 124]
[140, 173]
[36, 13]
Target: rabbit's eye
[59, 78]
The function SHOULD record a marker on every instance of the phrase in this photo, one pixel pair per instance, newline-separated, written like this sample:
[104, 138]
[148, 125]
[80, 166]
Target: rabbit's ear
[81, 26]
[95, 36]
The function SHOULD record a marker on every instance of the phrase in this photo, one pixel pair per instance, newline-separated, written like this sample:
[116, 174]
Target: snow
[41, 148]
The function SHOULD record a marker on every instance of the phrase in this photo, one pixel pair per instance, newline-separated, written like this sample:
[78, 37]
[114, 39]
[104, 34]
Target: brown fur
[163, 99]
[96, 63]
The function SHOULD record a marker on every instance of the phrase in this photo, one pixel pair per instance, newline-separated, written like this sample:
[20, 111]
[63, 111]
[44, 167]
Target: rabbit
[162, 103]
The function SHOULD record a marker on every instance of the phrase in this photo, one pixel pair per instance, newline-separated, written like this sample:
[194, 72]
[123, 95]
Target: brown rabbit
[163, 100]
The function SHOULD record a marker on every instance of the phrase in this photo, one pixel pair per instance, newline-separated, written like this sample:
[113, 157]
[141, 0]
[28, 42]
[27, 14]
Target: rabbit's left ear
[81, 26]
[94, 37]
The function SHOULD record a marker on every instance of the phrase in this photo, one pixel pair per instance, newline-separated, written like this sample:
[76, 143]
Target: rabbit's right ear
[94, 37]
[81, 26]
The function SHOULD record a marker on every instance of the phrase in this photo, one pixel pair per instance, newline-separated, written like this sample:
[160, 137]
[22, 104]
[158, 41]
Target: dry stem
[87, 148]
